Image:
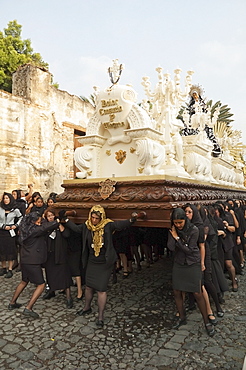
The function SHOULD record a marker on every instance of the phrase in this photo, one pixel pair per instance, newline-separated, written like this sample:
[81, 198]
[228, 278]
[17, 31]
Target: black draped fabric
[21, 205]
[57, 270]
[74, 254]
[213, 264]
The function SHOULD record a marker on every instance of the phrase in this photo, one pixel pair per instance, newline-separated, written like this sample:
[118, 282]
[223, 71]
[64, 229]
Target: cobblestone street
[137, 333]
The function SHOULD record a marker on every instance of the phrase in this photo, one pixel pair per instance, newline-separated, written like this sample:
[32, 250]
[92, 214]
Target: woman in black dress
[225, 243]
[56, 267]
[21, 204]
[98, 255]
[187, 272]
[195, 217]
[10, 218]
[33, 255]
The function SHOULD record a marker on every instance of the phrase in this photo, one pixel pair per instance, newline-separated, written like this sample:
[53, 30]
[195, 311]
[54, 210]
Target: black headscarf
[12, 203]
[179, 214]
[197, 221]
[18, 193]
[27, 225]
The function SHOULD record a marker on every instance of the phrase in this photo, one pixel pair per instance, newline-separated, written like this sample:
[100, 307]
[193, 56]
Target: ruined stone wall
[37, 124]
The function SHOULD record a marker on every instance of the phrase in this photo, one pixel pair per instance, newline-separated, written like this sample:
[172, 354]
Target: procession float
[153, 156]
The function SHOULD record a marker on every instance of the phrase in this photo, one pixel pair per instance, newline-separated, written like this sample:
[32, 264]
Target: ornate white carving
[145, 133]
[166, 98]
[92, 139]
[151, 156]
[82, 157]
[197, 160]
[154, 132]
[223, 172]
[138, 117]
[93, 126]
[130, 95]
[119, 139]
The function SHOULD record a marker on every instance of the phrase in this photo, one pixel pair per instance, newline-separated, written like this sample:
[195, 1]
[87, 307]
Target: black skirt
[32, 274]
[57, 276]
[74, 262]
[8, 251]
[97, 275]
[187, 278]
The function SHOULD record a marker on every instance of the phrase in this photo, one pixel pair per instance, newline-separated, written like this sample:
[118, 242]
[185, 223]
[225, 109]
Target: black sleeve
[76, 228]
[44, 228]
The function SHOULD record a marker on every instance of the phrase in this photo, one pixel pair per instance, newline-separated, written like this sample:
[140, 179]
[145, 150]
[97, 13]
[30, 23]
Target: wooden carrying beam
[156, 197]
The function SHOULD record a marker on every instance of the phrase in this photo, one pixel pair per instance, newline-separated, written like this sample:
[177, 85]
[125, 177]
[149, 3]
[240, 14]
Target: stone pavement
[137, 333]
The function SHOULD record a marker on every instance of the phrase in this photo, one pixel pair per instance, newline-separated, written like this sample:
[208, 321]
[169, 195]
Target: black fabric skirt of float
[218, 277]
[97, 276]
[8, 250]
[187, 278]
[57, 276]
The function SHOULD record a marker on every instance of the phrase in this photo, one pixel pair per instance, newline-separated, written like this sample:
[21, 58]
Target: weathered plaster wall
[37, 124]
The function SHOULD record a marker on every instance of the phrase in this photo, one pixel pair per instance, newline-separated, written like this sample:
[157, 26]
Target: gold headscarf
[98, 230]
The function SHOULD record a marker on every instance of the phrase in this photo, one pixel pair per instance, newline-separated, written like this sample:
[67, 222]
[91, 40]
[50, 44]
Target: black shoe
[69, 303]
[179, 323]
[99, 324]
[49, 295]
[3, 271]
[84, 312]
[210, 329]
[80, 298]
[9, 274]
[12, 306]
[235, 289]
[30, 313]
[212, 321]
[125, 274]
[220, 313]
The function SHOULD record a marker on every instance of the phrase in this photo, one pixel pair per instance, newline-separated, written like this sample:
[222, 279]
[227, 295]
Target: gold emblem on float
[106, 188]
[108, 152]
[120, 156]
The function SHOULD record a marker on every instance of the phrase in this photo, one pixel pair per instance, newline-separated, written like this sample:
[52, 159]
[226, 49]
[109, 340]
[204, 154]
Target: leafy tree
[90, 100]
[13, 53]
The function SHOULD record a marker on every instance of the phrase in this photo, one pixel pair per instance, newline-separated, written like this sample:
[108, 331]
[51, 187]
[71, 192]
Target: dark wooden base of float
[156, 196]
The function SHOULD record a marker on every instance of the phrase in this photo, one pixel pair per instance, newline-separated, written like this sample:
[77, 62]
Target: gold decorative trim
[108, 152]
[132, 150]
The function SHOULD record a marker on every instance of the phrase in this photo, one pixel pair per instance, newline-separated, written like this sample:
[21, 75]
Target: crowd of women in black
[205, 241]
